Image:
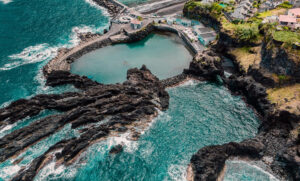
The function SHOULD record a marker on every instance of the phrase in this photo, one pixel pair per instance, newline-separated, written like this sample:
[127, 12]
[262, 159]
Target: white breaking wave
[32, 54]
[92, 3]
[177, 172]
[6, 1]
[43, 52]
[5, 129]
[7, 172]
[130, 146]
[256, 167]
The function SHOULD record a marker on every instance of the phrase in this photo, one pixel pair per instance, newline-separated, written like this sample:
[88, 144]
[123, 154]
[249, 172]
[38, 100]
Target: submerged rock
[116, 149]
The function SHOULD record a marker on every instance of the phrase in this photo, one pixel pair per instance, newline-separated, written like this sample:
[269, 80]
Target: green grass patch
[275, 12]
[287, 36]
[286, 5]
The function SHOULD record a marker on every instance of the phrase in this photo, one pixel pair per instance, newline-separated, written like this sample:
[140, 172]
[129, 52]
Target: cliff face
[280, 60]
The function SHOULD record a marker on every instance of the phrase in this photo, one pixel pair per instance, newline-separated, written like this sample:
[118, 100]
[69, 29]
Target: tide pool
[200, 114]
[165, 56]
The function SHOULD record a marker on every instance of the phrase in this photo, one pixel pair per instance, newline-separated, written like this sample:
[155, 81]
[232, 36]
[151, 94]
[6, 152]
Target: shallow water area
[200, 114]
[239, 170]
[164, 55]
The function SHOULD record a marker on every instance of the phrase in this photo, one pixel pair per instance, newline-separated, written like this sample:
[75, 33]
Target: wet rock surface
[209, 161]
[113, 107]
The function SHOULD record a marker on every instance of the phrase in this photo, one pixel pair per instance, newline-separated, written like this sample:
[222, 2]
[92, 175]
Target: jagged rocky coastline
[119, 108]
[273, 142]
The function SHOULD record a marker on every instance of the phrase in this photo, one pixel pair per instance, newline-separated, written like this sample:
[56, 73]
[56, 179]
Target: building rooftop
[286, 18]
[135, 21]
[295, 11]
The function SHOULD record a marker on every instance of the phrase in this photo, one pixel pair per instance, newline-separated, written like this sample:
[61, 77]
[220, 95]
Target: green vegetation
[287, 96]
[287, 36]
[191, 5]
[286, 5]
[276, 12]
[215, 9]
[140, 18]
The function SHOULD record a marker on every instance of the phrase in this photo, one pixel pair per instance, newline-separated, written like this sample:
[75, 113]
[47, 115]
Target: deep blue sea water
[31, 31]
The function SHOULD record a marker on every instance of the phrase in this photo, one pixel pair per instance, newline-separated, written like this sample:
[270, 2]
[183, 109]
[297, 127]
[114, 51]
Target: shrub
[247, 32]
[286, 5]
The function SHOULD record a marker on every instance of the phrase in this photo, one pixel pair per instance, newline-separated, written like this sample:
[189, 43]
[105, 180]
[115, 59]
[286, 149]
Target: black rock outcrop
[207, 65]
[113, 107]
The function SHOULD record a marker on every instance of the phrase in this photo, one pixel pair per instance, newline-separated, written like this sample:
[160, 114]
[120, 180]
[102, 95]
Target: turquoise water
[199, 115]
[31, 31]
[245, 171]
[164, 55]
[133, 2]
[9, 169]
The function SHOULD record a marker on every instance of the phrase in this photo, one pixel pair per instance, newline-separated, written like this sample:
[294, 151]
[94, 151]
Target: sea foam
[6, 1]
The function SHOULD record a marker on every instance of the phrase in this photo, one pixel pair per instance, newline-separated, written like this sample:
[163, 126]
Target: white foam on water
[55, 172]
[256, 167]
[5, 104]
[227, 74]
[177, 172]
[93, 4]
[5, 129]
[129, 145]
[7, 172]
[190, 82]
[29, 55]
[151, 123]
[6, 1]
[44, 52]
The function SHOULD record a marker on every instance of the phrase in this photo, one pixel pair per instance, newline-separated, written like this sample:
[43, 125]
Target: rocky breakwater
[98, 111]
[112, 7]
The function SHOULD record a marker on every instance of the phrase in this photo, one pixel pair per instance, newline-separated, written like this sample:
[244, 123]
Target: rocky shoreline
[274, 139]
[117, 108]
[135, 102]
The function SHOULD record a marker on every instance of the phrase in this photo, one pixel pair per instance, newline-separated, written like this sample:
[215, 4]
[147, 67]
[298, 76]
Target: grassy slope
[287, 97]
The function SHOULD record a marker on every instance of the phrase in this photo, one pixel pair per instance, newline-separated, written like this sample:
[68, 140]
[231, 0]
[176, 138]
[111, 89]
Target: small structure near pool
[136, 24]
[205, 35]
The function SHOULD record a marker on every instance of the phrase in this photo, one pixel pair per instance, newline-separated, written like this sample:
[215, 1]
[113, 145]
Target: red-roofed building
[292, 19]
[294, 12]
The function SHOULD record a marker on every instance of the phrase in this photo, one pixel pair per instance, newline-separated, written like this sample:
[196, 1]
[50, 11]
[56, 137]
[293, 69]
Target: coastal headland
[122, 107]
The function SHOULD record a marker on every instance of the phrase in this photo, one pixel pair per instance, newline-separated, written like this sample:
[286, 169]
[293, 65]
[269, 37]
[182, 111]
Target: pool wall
[62, 62]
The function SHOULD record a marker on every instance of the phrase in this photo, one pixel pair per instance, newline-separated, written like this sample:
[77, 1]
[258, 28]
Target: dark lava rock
[100, 109]
[206, 64]
[262, 76]
[56, 78]
[116, 149]
[209, 161]
[254, 92]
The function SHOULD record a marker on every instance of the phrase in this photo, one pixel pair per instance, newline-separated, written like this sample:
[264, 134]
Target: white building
[136, 24]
